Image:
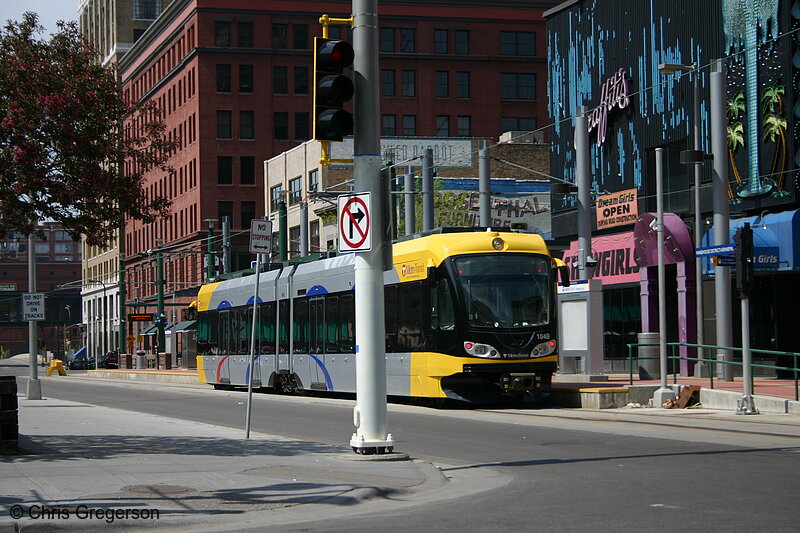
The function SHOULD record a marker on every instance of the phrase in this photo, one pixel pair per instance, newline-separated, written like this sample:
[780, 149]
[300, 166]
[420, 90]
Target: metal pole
[582, 180]
[745, 405]
[210, 256]
[698, 226]
[663, 393]
[252, 367]
[34, 385]
[369, 416]
[484, 186]
[427, 189]
[226, 245]
[162, 342]
[722, 274]
[303, 228]
[283, 232]
[410, 202]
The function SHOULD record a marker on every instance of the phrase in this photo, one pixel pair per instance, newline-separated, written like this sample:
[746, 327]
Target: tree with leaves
[72, 150]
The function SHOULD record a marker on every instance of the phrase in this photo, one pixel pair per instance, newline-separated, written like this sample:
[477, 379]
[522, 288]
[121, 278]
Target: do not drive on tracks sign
[260, 237]
[355, 222]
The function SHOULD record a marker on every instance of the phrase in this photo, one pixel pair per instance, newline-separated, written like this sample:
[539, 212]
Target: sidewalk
[85, 467]
[770, 394]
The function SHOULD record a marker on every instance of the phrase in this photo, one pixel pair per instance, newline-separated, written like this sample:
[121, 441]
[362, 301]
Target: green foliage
[72, 150]
[450, 208]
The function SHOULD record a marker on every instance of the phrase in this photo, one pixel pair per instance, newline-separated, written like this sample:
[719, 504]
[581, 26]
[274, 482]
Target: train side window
[316, 326]
[266, 321]
[283, 328]
[243, 325]
[224, 331]
[331, 322]
[410, 333]
[347, 323]
[206, 322]
[390, 314]
[442, 310]
[300, 327]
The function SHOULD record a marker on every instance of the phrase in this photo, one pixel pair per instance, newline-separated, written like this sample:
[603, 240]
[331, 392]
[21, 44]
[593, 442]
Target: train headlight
[498, 243]
[486, 351]
[544, 348]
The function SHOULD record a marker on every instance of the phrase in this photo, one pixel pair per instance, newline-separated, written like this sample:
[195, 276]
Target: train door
[316, 344]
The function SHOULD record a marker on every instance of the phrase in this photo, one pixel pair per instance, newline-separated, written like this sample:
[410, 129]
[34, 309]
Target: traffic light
[332, 89]
[743, 241]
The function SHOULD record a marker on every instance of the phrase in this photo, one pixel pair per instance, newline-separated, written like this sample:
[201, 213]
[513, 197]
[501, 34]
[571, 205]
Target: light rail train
[470, 316]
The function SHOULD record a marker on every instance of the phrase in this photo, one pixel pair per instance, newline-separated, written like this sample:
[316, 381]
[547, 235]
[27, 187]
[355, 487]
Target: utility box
[580, 328]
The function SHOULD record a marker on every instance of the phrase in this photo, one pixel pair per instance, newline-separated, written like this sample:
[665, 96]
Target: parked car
[110, 360]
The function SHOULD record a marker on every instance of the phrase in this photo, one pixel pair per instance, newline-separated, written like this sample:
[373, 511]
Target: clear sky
[49, 11]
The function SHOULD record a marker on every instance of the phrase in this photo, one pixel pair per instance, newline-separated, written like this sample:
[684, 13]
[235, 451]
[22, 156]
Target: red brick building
[233, 79]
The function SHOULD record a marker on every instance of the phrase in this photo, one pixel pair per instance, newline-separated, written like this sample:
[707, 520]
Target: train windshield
[505, 291]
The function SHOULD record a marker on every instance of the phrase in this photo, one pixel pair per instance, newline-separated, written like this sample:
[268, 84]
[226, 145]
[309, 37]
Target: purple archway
[678, 250]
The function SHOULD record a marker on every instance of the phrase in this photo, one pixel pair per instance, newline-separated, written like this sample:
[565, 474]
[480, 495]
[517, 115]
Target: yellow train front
[469, 315]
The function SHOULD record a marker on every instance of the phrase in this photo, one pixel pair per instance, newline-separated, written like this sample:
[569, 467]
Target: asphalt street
[566, 469]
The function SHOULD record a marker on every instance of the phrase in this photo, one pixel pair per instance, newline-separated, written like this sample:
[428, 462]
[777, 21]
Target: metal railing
[673, 346]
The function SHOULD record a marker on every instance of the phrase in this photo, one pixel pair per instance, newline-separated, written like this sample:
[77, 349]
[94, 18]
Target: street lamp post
[66, 328]
[671, 68]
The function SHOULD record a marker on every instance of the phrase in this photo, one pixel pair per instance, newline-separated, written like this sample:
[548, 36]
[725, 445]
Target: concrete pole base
[662, 395]
[34, 389]
[746, 405]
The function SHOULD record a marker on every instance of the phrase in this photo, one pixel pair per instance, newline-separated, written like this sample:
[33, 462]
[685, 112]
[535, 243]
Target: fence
[673, 346]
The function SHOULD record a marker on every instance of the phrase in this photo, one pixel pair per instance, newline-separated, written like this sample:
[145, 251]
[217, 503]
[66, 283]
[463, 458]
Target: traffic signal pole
[369, 416]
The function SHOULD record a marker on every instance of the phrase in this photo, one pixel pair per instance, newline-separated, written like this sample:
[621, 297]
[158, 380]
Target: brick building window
[300, 36]
[281, 131]
[247, 170]
[224, 170]
[223, 78]
[517, 86]
[409, 125]
[518, 43]
[245, 34]
[301, 126]
[222, 33]
[407, 39]
[224, 124]
[464, 126]
[517, 123]
[300, 80]
[442, 126]
[389, 125]
[225, 209]
[387, 40]
[442, 84]
[279, 36]
[440, 41]
[245, 78]
[248, 213]
[247, 128]
[387, 83]
[462, 41]
[462, 84]
[410, 83]
[280, 80]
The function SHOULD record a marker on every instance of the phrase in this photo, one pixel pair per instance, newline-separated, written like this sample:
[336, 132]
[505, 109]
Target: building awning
[187, 325]
[152, 330]
[775, 241]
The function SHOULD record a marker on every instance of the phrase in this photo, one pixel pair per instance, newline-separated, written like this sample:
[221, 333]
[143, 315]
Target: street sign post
[261, 237]
[33, 306]
[355, 222]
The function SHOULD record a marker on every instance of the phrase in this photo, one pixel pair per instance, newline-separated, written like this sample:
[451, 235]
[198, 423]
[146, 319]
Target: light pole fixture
[694, 157]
